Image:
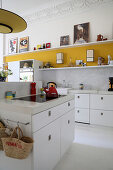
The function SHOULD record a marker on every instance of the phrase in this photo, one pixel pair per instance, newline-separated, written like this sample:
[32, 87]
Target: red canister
[33, 88]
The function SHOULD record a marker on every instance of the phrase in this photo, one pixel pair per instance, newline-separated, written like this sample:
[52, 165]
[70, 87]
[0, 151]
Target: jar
[81, 86]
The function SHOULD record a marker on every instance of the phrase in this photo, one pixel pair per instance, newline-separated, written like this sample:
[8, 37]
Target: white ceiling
[25, 6]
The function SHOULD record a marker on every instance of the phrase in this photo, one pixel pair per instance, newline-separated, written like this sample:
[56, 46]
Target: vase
[2, 79]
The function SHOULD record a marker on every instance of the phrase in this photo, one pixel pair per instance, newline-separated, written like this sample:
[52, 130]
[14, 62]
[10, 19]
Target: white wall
[21, 88]
[50, 30]
[1, 50]
[92, 78]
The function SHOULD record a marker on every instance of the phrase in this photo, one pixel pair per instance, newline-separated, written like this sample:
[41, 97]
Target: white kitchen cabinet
[47, 146]
[47, 135]
[82, 101]
[22, 74]
[67, 131]
[14, 67]
[101, 117]
[104, 102]
[43, 118]
[53, 133]
[82, 108]
[82, 115]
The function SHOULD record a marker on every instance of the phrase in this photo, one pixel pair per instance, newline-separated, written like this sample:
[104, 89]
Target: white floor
[92, 149]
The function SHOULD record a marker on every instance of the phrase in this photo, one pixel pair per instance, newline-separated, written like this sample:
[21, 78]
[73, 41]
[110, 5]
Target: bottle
[64, 84]
[33, 88]
[109, 58]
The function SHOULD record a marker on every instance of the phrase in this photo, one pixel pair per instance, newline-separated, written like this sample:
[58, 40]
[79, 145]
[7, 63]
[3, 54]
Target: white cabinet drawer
[104, 102]
[82, 100]
[67, 131]
[70, 105]
[82, 115]
[101, 117]
[47, 146]
[43, 118]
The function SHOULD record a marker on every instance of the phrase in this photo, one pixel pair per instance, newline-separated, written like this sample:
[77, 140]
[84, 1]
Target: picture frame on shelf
[48, 45]
[81, 33]
[59, 58]
[90, 55]
[24, 44]
[64, 40]
[12, 46]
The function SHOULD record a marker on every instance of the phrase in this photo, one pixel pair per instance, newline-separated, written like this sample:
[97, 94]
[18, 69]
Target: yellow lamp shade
[11, 22]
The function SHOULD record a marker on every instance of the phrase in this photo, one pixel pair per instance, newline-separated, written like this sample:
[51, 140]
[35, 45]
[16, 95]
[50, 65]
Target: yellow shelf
[69, 68]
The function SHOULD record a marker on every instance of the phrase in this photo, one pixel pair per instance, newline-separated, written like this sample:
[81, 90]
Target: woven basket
[18, 148]
[2, 135]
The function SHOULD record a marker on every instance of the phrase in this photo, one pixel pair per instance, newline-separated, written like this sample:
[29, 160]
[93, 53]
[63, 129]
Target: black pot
[2, 79]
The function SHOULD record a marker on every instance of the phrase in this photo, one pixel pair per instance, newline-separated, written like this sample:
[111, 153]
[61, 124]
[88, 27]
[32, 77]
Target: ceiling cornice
[63, 8]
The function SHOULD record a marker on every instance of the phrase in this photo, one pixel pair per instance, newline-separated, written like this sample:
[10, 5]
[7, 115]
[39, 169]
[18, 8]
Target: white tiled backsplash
[92, 78]
[21, 88]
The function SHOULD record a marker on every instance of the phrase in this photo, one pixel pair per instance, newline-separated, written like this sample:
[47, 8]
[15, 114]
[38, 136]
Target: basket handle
[20, 132]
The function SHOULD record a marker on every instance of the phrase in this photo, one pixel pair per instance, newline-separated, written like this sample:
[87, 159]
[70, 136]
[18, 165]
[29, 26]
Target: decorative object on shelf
[101, 61]
[70, 63]
[12, 47]
[44, 46]
[48, 65]
[111, 62]
[79, 62]
[59, 58]
[48, 45]
[83, 64]
[81, 33]
[34, 48]
[24, 44]
[4, 72]
[64, 40]
[26, 65]
[90, 55]
[109, 59]
[99, 37]
[19, 147]
[38, 47]
[110, 84]
[81, 86]
[11, 22]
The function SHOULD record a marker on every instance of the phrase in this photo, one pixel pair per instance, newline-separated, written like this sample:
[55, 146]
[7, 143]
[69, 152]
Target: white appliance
[24, 71]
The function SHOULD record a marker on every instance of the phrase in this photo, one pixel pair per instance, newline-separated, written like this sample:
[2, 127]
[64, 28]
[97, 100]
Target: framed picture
[64, 40]
[90, 55]
[13, 46]
[24, 44]
[81, 33]
[59, 58]
[48, 45]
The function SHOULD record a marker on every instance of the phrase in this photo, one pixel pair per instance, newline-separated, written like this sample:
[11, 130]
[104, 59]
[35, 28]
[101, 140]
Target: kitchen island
[50, 124]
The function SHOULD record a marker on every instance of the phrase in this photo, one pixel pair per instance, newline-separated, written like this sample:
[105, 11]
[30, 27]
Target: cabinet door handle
[68, 121]
[78, 111]
[101, 98]
[68, 103]
[102, 114]
[49, 113]
[78, 97]
[49, 137]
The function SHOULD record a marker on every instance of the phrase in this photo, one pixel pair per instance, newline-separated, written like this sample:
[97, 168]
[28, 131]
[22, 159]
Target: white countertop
[31, 107]
[75, 91]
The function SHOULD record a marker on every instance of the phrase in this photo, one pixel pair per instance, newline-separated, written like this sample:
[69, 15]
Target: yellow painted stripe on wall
[76, 53]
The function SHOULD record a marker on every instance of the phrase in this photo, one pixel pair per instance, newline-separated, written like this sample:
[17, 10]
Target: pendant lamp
[11, 22]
